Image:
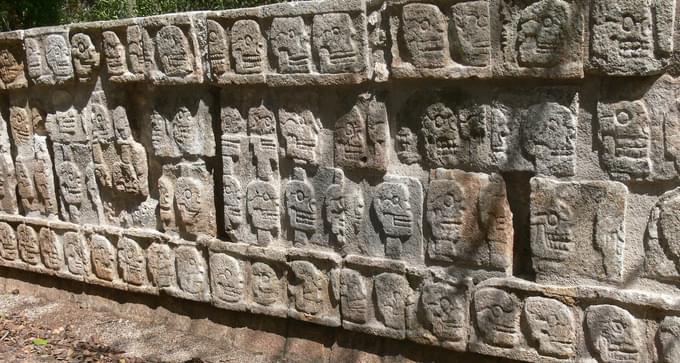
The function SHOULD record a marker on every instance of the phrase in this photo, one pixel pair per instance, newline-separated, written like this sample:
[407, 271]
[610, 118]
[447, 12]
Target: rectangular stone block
[48, 56]
[124, 51]
[13, 64]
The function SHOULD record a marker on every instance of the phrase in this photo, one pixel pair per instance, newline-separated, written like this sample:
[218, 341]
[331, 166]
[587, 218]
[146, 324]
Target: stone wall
[485, 176]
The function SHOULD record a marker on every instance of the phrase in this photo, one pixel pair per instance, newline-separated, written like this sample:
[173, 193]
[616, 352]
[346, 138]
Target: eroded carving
[192, 272]
[248, 47]
[497, 314]
[614, 334]
[625, 136]
[551, 327]
[131, 261]
[390, 298]
[669, 339]
[335, 44]
[550, 138]
[310, 287]
[104, 263]
[301, 206]
[227, 278]
[161, 263]
[445, 311]
[51, 249]
[86, 58]
[393, 209]
[76, 253]
[263, 210]
[361, 134]
[426, 35]
[354, 295]
[265, 285]
[471, 33]
[291, 45]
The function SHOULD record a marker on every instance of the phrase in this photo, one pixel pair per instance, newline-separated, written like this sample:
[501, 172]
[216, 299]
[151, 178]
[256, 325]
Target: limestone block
[125, 51]
[12, 61]
[48, 56]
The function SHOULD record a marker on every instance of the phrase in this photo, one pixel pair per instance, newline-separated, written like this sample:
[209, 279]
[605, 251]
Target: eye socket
[395, 200]
[300, 196]
[628, 23]
[547, 22]
[623, 118]
[425, 24]
[553, 219]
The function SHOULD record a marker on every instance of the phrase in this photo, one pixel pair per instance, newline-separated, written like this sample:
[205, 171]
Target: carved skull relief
[22, 129]
[8, 242]
[191, 270]
[309, 293]
[227, 278]
[173, 52]
[625, 137]
[334, 43]
[186, 133]
[407, 146]
[34, 61]
[51, 249]
[426, 35]
[444, 309]
[218, 49]
[542, 33]
[233, 200]
[263, 207]
[85, 56]
[188, 199]
[114, 54]
[553, 229]
[441, 136]
[132, 261]
[393, 210]
[11, 69]
[550, 138]
[669, 339]
[551, 327]
[290, 44]
[390, 292]
[58, 56]
[623, 31]
[71, 182]
[301, 205]
[29, 247]
[161, 262]
[445, 207]
[497, 315]
[614, 334]
[471, 33]
[300, 130]
[103, 258]
[76, 253]
[266, 287]
[353, 296]
[247, 46]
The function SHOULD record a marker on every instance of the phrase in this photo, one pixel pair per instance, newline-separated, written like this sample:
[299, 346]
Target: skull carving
[191, 270]
[22, 129]
[58, 56]
[266, 287]
[85, 56]
[218, 49]
[114, 54]
[390, 292]
[25, 186]
[75, 251]
[166, 200]
[29, 247]
[614, 334]
[233, 199]
[497, 314]
[625, 137]
[445, 211]
[161, 262]
[50, 249]
[102, 128]
[247, 45]
[623, 31]
[407, 146]
[334, 43]
[301, 206]
[393, 209]
[669, 340]
[263, 209]
[440, 131]
[353, 296]
[131, 261]
[552, 230]
[227, 278]
[189, 200]
[290, 44]
[542, 33]
[10, 69]
[8, 242]
[309, 294]
[551, 326]
[426, 37]
[71, 182]
[186, 133]
[351, 138]
[173, 52]
[471, 33]
[499, 134]
[550, 138]
[444, 308]
[135, 49]
[300, 130]
[34, 60]
[103, 258]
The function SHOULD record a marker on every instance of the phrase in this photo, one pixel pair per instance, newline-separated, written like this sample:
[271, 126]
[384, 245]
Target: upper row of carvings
[346, 42]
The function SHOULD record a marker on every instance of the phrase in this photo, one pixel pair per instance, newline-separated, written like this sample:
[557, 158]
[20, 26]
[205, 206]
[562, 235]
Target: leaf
[39, 342]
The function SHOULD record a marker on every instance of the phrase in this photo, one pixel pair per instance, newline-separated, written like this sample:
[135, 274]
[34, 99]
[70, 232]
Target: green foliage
[39, 342]
[22, 14]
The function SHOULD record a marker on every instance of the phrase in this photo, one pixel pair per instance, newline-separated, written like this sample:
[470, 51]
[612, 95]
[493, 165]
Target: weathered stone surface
[313, 161]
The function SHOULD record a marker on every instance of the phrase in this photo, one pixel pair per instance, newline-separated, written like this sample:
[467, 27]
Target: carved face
[263, 205]
[188, 197]
[445, 209]
[550, 133]
[166, 194]
[10, 69]
[301, 205]
[444, 308]
[102, 129]
[497, 315]
[425, 33]
[309, 295]
[336, 212]
[499, 132]
[669, 340]
[247, 45]
[407, 146]
[614, 334]
[33, 58]
[261, 121]
[77, 258]
[190, 270]
[351, 136]
[554, 229]
[29, 248]
[185, 132]
[158, 133]
[392, 206]
[625, 132]
[8, 242]
[24, 181]
[227, 278]
[440, 131]
[628, 27]
[290, 43]
[114, 54]
[233, 197]
[472, 33]
[67, 121]
[132, 262]
[333, 41]
[70, 182]
[161, 265]
[542, 33]
[103, 258]
[21, 125]
[58, 56]
[135, 49]
[50, 249]
[266, 285]
[552, 326]
[390, 292]
[173, 52]
[121, 124]
[85, 55]
[301, 134]
[218, 48]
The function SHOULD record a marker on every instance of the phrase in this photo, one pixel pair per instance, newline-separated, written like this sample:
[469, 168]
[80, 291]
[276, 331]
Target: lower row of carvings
[499, 316]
